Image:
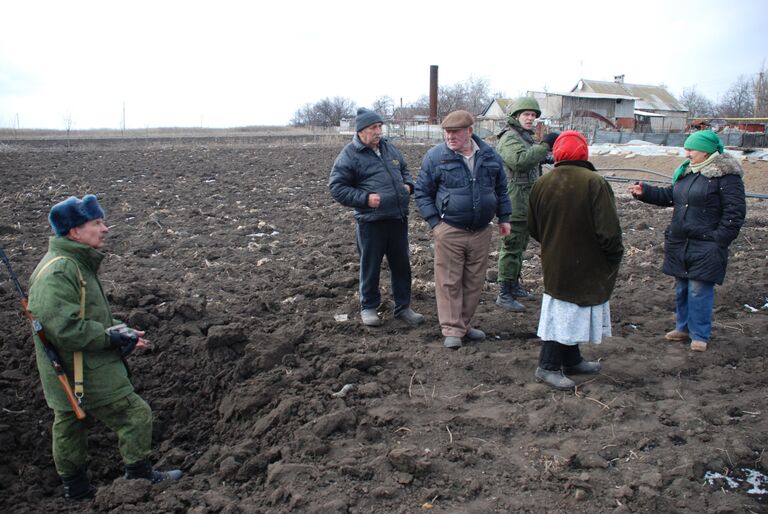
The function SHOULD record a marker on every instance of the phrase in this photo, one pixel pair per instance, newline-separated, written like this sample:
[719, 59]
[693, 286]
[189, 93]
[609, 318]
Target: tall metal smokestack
[433, 94]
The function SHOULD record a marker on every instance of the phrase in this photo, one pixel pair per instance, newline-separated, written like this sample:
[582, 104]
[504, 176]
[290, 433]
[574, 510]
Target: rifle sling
[76, 356]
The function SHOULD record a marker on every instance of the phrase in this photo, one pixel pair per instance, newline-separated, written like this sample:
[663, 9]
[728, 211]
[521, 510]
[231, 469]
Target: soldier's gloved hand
[550, 139]
[549, 159]
[122, 339]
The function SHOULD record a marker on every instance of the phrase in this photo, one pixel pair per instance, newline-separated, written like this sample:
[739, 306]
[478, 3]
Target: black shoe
[77, 486]
[583, 368]
[143, 470]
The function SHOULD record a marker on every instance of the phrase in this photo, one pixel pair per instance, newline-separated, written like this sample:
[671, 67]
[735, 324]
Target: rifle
[50, 350]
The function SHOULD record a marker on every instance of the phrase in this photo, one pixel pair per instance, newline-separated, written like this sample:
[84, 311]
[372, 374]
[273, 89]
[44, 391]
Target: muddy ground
[243, 271]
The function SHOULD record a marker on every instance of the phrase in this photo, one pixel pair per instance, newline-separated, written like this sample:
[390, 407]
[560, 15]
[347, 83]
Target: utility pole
[759, 94]
[122, 121]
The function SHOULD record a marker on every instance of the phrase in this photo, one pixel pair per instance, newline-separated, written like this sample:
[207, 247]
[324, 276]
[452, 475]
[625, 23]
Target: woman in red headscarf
[572, 213]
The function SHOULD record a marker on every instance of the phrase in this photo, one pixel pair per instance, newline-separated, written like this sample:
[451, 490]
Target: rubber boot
[77, 486]
[143, 469]
[506, 299]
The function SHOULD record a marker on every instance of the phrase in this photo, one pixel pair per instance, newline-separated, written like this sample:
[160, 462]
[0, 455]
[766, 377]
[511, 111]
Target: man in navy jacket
[461, 187]
[371, 176]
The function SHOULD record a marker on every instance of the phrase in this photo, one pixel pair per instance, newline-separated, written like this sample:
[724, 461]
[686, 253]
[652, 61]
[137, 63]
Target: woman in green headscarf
[707, 194]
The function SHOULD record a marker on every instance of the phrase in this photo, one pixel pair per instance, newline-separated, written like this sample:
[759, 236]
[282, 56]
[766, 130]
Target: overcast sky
[229, 64]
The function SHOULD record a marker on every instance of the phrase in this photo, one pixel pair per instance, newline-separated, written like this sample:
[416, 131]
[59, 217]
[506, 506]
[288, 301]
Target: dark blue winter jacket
[447, 190]
[358, 172]
[708, 211]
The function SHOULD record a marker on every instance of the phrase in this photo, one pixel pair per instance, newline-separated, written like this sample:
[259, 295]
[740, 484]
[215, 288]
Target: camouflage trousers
[130, 418]
[512, 246]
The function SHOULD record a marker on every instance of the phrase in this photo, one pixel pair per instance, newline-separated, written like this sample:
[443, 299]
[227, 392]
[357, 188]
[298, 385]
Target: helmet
[524, 103]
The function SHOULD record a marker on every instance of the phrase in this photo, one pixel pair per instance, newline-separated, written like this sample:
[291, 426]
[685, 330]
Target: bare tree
[738, 101]
[304, 116]
[697, 104]
[478, 93]
[384, 105]
[328, 112]
[471, 95]
[68, 121]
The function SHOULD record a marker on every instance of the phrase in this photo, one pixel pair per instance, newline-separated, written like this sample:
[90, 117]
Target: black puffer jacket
[358, 172]
[709, 210]
[468, 199]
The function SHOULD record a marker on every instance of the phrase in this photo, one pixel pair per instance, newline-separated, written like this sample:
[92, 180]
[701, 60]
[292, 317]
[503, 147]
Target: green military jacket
[521, 154]
[54, 300]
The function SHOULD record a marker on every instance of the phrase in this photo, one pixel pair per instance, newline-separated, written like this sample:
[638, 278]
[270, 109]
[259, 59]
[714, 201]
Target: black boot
[143, 469]
[518, 291]
[77, 486]
[506, 299]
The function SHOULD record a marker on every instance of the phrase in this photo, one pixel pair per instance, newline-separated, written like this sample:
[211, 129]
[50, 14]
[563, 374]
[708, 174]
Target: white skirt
[568, 323]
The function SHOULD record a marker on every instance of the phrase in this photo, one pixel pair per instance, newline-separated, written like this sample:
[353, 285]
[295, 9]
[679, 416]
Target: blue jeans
[694, 301]
[375, 240]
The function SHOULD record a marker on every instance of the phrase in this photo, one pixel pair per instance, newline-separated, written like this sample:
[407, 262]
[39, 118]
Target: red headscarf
[570, 146]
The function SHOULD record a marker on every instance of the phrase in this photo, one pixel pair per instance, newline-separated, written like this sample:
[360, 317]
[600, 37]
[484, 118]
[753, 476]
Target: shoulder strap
[77, 356]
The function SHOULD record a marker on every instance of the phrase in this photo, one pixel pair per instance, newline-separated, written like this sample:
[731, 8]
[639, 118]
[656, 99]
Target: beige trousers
[461, 259]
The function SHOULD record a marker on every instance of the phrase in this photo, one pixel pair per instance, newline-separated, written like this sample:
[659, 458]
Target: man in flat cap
[522, 155]
[66, 297]
[461, 187]
[371, 176]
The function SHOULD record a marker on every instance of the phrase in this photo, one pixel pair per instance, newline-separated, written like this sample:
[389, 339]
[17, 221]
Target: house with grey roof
[597, 105]
[655, 109]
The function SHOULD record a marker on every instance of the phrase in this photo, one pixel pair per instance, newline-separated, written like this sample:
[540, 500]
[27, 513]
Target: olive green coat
[54, 300]
[572, 213]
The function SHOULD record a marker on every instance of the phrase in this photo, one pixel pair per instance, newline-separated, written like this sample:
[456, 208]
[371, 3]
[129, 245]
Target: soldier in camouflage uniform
[68, 299]
[522, 156]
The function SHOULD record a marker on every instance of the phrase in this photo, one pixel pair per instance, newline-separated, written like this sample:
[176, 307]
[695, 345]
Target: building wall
[603, 107]
[625, 109]
[670, 121]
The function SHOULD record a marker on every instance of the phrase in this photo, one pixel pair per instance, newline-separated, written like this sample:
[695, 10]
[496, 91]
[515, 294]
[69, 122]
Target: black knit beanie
[366, 118]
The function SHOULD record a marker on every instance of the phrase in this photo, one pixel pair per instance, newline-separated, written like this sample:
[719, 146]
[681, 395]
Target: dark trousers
[375, 240]
[553, 355]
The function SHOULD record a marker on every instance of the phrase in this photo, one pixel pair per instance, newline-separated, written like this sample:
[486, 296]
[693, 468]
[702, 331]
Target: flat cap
[458, 120]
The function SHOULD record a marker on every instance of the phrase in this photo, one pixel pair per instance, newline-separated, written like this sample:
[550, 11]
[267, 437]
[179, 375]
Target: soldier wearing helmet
[522, 155]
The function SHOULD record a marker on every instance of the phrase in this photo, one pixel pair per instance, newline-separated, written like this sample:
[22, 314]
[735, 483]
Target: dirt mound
[272, 396]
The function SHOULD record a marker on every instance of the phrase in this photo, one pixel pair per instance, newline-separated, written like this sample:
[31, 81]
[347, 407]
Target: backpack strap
[76, 356]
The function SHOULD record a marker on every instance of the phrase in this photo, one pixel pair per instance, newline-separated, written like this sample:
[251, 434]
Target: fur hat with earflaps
[73, 212]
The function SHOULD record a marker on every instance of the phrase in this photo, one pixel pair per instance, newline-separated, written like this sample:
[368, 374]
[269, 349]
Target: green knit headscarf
[704, 141]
